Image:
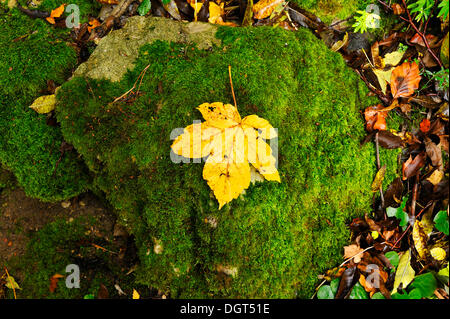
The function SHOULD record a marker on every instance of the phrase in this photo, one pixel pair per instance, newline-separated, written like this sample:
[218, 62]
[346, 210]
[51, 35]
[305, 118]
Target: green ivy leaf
[425, 283]
[393, 258]
[399, 213]
[334, 284]
[325, 292]
[378, 295]
[358, 292]
[144, 7]
[441, 222]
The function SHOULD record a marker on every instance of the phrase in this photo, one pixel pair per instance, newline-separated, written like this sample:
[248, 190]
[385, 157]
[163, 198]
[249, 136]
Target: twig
[11, 283]
[409, 226]
[361, 252]
[414, 198]
[231, 83]
[134, 85]
[317, 289]
[411, 22]
[377, 147]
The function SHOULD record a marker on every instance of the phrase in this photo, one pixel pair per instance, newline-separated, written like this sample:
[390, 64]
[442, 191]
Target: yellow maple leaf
[231, 144]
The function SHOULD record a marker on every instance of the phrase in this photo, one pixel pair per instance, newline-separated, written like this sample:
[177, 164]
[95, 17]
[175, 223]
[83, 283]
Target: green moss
[327, 10]
[57, 245]
[87, 8]
[32, 53]
[278, 236]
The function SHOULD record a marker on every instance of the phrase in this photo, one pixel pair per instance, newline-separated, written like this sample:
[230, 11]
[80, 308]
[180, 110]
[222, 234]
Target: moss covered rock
[328, 10]
[32, 52]
[273, 240]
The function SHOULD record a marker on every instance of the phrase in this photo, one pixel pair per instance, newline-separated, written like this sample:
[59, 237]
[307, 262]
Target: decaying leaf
[412, 166]
[264, 8]
[54, 281]
[438, 253]
[375, 118]
[44, 104]
[405, 273]
[434, 153]
[379, 177]
[11, 283]
[93, 24]
[346, 283]
[420, 240]
[383, 67]
[353, 251]
[405, 79]
[231, 144]
[389, 140]
[339, 44]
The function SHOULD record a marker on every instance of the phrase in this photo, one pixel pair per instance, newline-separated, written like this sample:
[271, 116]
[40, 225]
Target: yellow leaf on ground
[264, 8]
[436, 177]
[136, 294]
[420, 239]
[44, 104]
[220, 115]
[385, 66]
[405, 273]
[11, 283]
[267, 131]
[379, 177]
[438, 253]
[226, 179]
[232, 145]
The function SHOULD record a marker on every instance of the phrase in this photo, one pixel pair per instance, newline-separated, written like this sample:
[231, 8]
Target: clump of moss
[32, 53]
[273, 240]
[327, 10]
[53, 248]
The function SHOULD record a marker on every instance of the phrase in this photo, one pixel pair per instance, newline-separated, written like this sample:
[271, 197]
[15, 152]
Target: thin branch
[411, 22]
[231, 83]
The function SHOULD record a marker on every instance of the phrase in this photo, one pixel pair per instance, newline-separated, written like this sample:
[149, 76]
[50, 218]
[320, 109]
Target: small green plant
[422, 8]
[365, 20]
[444, 5]
[441, 78]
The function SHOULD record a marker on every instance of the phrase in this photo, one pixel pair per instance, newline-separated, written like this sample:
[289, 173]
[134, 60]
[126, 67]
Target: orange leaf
[405, 79]
[93, 24]
[264, 8]
[54, 281]
[50, 20]
[57, 12]
[375, 118]
[425, 125]
[397, 8]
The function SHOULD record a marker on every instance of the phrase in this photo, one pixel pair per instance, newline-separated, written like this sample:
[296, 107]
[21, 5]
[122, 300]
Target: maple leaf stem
[231, 83]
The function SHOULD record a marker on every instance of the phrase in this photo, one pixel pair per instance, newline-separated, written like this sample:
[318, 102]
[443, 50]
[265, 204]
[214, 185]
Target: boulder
[275, 238]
